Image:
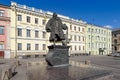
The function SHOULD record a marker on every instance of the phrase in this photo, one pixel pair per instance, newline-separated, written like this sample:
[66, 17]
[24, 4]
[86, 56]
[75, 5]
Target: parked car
[115, 54]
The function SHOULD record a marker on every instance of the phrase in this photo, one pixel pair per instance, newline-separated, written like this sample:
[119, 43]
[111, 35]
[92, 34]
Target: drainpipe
[15, 31]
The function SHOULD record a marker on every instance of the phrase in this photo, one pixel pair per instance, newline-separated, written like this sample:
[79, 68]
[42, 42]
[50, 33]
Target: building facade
[28, 35]
[116, 40]
[4, 30]
[22, 32]
[98, 40]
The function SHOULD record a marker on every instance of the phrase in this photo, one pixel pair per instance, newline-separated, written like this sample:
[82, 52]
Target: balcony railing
[30, 8]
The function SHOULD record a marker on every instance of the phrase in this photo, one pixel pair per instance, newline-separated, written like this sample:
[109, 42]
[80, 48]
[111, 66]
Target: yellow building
[28, 35]
[98, 40]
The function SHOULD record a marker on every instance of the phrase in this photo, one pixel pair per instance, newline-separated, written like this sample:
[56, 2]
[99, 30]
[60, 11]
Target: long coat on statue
[55, 27]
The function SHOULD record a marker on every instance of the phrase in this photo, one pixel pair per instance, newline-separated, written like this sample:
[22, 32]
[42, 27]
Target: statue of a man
[56, 27]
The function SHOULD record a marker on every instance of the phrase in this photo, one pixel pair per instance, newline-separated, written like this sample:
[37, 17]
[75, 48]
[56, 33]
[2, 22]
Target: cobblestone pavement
[106, 62]
[21, 70]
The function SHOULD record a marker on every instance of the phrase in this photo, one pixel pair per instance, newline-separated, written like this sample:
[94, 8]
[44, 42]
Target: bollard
[18, 63]
[5, 76]
[5, 72]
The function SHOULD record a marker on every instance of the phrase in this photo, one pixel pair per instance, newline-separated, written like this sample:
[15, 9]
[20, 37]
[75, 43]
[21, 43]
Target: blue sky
[99, 12]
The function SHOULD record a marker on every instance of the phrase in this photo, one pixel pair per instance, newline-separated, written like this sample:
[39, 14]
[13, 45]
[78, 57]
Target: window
[96, 30]
[99, 30]
[92, 37]
[70, 47]
[28, 33]
[36, 20]
[89, 37]
[79, 47]
[79, 38]
[88, 29]
[19, 17]
[44, 22]
[83, 38]
[79, 28]
[2, 12]
[109, 33]
[70, 27]
[102, 32]
[44, 46]
[1, 45]
[96, 45]
[98, 37]
[92, 30]
[89, 45]
[36, 46]
[104, 39]
[75, 38]
[115, 35]
[71, 37]
[1, 30]
[28, 46]
[28, 19]
[75, 48]
[19, 46]
[36, 34]
[83, 48]
[82, 29]
[19, 32]
[115, 48]
[92, 45]
[75, 28]
[44, 34]
[115, 41]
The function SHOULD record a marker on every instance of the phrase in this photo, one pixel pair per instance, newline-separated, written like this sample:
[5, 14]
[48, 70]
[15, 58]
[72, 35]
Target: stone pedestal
[58, 55]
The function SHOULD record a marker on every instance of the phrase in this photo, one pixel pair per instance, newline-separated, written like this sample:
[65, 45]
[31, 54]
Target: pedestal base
[58, 55]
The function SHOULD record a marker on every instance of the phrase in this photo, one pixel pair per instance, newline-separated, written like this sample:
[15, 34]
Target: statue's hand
[64, 26]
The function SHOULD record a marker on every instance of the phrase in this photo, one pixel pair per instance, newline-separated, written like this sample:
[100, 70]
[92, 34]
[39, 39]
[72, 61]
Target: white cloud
[108, 26]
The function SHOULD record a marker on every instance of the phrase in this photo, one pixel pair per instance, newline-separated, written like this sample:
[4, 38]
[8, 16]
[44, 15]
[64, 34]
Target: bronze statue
[58, 54]
[56, 27]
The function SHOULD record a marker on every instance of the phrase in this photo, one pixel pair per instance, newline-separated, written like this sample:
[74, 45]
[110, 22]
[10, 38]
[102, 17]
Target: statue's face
[54, 15]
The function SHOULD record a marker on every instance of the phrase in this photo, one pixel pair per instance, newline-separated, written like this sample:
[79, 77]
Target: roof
[4, 6]
[117, 31]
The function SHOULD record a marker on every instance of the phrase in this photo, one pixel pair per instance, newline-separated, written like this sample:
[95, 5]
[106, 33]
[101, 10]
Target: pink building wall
[5, 21]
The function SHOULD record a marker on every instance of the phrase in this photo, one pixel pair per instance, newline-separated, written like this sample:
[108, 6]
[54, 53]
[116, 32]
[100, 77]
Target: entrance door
[1, 54]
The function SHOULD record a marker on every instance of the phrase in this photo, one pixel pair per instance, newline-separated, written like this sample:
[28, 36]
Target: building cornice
[45, 14]
[93, 25]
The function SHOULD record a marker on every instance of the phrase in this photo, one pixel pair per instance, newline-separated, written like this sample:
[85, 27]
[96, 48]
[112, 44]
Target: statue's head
[54, 15]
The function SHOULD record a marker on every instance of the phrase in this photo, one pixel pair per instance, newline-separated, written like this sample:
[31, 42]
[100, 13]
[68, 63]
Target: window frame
[19, 17]
[36, 46]
[36, 33]
[28, 19]
[2, 30]
[28, 32]
[36, 20]
[2, 12]
[28, 46]
[19, 46]
[19, 30]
